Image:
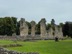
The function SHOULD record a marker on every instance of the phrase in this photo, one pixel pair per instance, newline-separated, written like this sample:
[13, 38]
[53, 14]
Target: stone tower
[33, 24]
[23, 28]
[43, 28]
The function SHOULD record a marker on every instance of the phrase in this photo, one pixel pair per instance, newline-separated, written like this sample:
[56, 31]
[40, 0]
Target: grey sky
[60, 10]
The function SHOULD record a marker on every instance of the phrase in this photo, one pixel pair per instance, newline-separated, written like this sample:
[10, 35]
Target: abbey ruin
[44, 34]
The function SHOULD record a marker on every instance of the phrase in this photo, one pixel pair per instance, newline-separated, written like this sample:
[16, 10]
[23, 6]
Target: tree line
[10, 25]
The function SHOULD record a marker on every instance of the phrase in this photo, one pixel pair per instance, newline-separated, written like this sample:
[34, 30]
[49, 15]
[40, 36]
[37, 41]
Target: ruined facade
[55, 33]
[44, 34]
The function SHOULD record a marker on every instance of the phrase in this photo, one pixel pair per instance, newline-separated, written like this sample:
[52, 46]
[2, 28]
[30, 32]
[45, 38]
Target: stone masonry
[43, 29]
[33, 24]
[23, 28]
[6, 51]
[50, 33]
[44, 34]
[58, 32]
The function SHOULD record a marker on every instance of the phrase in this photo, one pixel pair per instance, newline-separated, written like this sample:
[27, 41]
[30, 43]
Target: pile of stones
[5, 51]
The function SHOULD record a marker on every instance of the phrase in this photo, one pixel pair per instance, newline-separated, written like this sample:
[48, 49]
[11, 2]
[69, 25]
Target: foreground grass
[43, 46]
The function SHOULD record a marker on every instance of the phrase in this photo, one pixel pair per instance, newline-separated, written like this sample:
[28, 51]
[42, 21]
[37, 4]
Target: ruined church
[44, 34]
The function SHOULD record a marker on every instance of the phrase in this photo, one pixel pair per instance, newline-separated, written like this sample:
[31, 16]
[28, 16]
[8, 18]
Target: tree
[29, 27]
[7, 25]
[48, 26]
[66, 29]
[38, 28]
[52, 22]
[61, 24]
[18, 28]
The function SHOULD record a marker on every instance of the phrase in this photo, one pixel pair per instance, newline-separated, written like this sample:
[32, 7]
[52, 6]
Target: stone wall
[58, 32]
[50, 34]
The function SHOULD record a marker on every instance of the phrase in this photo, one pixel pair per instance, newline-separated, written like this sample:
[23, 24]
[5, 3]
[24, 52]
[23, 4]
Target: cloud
[37, 9]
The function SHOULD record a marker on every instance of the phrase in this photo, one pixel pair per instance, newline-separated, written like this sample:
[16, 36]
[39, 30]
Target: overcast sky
[60, 10]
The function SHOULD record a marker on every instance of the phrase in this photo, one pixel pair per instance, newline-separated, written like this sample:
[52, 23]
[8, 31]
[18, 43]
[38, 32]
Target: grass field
[43, 46]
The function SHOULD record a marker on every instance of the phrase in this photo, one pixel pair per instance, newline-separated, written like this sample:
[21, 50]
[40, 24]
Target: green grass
[6, 42]
[43, 46]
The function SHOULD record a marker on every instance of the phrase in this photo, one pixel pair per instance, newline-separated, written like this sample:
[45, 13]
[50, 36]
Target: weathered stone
[14, 34]
[51, 34]
[23, 28]
[43, 29]
[33, 24]
[58, 32]
[5, 51]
